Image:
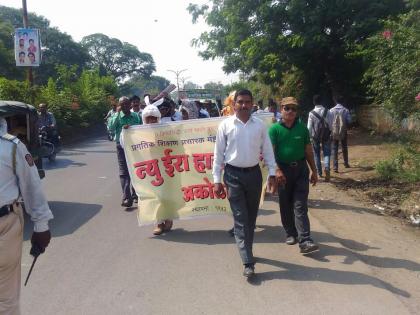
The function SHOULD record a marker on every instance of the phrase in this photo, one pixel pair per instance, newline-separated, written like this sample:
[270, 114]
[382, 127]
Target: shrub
[404, 165]
[394, 57]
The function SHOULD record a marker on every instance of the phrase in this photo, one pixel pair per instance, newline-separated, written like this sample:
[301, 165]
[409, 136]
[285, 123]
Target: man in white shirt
[240, 141]
[319, 126]
[18, 176]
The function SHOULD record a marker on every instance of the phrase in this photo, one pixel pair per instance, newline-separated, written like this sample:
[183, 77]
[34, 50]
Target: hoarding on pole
[27, 47]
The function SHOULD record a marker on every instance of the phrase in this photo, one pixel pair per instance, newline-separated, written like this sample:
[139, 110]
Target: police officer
[18, 177]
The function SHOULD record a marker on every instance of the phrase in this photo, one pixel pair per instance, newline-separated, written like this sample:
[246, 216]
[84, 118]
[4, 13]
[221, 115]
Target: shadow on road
[304, 273]
[83, 152]
[68, 217]
[61, 163]
[329, 204]
[351, 250]
[350, 257]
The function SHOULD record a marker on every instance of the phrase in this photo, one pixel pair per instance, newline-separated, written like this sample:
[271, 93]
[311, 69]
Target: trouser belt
[5, 210]
[242, 169]
[292, 164]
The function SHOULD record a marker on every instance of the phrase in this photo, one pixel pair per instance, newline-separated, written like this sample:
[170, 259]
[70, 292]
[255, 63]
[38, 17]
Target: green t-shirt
[289, 143]
[119, 120]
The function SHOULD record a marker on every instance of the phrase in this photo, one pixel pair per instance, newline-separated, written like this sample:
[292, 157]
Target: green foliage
[218, 86]
[272, 40]
[259, 90]
[58, 47]
[394, 71]
[15, 91]
[139, 85]
[404, 166]
[117, 58]
[78, 101]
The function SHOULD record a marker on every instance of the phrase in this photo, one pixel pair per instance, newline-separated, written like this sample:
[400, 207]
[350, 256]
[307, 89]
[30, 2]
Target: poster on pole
[27, 47]
[170, 166]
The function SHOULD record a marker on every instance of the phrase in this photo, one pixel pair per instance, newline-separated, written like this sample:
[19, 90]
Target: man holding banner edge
[240, 141]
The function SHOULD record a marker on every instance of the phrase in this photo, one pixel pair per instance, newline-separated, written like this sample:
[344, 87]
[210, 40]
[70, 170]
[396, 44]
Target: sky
[162, 28]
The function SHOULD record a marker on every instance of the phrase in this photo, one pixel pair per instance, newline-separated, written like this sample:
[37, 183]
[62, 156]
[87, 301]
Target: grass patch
[404, 165]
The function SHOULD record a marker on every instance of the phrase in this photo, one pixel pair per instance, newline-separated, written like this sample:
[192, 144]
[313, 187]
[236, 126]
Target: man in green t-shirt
[124, 118]
[293, 152]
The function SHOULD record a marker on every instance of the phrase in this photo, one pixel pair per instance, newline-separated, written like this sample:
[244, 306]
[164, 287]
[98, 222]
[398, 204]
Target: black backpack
[322, 133]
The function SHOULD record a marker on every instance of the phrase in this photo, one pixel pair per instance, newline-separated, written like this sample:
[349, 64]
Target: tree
[191, 85]
[117, 58]
[7, 57]
[139, 85]
[57, 47]
[267, 39]
[394, 70]
[214, 86]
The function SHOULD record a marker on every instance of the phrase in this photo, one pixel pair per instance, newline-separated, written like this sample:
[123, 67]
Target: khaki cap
[289, 101]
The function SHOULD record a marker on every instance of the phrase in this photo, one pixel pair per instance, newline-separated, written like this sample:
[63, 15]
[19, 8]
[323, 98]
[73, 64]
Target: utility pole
[25, 25]
[183, 80]
[177, 74]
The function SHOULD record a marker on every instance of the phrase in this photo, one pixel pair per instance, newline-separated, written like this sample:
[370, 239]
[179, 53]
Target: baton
[35, 251]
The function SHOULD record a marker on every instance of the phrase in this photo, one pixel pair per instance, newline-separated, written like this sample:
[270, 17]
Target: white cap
[150, 110]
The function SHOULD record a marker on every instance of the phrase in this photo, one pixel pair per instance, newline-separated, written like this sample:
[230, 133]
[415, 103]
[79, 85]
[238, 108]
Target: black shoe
[308, 247]
[335, 170]
[231, 232]
[127, 203]
[291, 240]
[136, 200]
[347, 165]
[249, 270]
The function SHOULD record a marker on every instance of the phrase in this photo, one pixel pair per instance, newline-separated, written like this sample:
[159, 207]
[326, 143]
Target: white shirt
[314, 121]
[26, 180]
[240, 144]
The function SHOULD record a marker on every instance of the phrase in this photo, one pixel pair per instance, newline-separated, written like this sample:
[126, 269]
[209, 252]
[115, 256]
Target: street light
[183, 80]
[177, 74]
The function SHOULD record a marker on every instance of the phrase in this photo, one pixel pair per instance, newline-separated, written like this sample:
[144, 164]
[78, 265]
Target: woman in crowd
[228, 105]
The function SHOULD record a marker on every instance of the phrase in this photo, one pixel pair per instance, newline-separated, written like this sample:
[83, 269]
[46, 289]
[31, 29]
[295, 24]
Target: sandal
[159, 229]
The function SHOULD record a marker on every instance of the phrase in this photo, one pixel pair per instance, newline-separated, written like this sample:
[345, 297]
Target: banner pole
[25, 25]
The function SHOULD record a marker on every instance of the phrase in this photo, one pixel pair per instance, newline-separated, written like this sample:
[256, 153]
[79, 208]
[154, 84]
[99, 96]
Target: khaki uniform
[18, 177]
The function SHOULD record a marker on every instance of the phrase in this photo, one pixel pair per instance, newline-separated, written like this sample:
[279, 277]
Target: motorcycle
[49, 147]
[110, 134]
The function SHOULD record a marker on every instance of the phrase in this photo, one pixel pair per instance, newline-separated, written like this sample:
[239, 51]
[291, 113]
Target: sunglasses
[288, 109]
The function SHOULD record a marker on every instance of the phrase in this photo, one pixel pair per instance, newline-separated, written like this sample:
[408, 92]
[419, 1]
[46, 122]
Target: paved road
[101, 262]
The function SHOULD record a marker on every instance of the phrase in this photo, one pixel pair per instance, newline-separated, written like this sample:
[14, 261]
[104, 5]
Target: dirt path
[396, 198]
[388, 245]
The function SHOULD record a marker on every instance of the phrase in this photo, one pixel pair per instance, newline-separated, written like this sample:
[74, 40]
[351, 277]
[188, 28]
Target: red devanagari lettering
[150, 168]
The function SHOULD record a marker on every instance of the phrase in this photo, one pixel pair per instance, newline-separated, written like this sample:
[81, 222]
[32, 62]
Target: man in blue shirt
[341, 119]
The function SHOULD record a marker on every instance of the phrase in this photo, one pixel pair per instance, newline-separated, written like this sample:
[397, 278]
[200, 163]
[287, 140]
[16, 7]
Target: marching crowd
[288, 149]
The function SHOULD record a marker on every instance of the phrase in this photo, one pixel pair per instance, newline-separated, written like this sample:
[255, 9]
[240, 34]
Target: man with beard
[240, 140]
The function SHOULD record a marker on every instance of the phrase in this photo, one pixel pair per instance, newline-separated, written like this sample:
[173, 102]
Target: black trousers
[293, 200]
[344, 149]
[244, 193]
[127, 189]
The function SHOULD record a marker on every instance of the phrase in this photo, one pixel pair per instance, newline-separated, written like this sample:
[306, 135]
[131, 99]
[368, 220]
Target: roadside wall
[374, 117]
